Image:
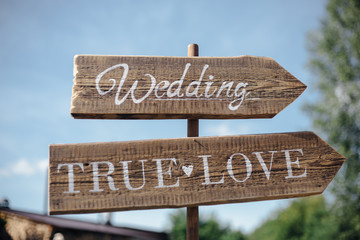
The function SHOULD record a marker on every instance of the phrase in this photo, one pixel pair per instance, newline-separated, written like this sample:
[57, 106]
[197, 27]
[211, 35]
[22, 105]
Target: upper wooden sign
[97, 177]
[137, 87]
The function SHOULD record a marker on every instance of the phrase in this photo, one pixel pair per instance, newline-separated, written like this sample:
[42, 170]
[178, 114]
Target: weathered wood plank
[98, 177]
[139, 87]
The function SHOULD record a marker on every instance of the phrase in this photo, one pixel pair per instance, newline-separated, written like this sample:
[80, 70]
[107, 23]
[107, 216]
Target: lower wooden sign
[98, 177]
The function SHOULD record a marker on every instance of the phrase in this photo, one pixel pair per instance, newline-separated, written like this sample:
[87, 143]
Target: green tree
[304, 219]
[335, 61]
[209, 229]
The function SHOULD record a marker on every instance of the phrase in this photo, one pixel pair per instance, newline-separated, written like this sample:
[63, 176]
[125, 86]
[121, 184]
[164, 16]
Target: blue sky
[40, 38]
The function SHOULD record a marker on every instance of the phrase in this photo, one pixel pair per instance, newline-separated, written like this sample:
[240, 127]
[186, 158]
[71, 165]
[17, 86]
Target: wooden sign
[134, 87]
[98, 177]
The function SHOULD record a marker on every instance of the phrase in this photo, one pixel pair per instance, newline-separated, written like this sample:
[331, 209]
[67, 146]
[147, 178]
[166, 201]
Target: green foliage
[209, 229]
[304, 219]
[178, 222]
[336, 63]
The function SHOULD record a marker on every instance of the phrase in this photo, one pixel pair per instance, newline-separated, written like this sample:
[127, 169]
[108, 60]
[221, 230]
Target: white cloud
[225, 129]
[24, 167]
[43, 165]
[221, 130]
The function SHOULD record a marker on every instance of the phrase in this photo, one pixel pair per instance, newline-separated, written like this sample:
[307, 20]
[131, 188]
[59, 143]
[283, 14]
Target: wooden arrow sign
[97, 177]
[134, 87]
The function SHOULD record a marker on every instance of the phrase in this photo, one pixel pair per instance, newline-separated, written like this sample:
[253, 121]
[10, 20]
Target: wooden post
[192, 213]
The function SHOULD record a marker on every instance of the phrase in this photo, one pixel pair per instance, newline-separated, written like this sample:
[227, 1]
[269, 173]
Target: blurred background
[316, 41]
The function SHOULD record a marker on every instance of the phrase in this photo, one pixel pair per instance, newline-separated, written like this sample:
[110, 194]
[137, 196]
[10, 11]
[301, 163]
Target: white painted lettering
[206, 172]
[248, 167]
[223, 86]
[152, 86]
[96, 175]
[160, 173]
[126, 175]
[157, 88]
[240, 96]
[71, 175]
[174, 90]
[289, 162]
[208, 86]
[122, 81]
[262, 163]
[98, 78]
[179, 83]
[197, 83]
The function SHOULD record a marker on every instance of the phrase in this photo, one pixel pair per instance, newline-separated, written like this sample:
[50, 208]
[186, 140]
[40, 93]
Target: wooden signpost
[121, 87]
[193, 171]
[171, 173]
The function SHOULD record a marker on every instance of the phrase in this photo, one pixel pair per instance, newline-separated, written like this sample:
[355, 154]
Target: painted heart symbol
[188, 170]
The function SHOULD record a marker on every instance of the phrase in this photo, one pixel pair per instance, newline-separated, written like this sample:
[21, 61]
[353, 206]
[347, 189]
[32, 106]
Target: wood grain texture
[192, 223]
[180, 87]
[184, 181]
[192, 213]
